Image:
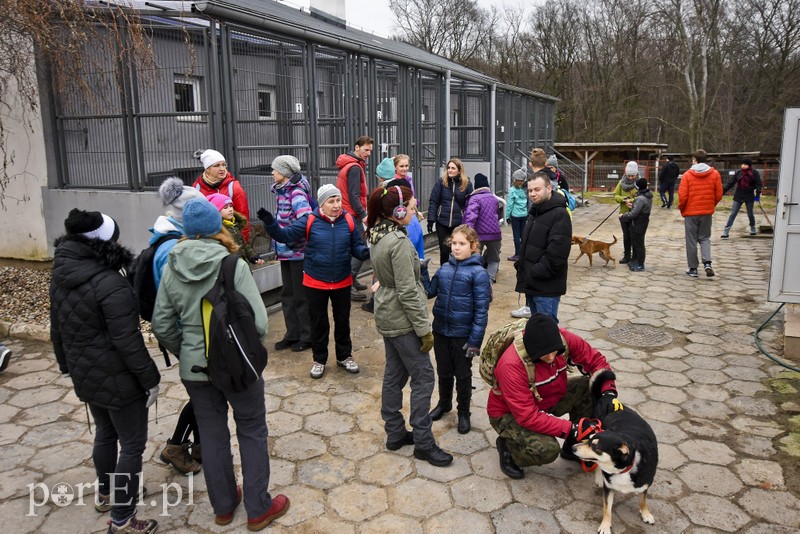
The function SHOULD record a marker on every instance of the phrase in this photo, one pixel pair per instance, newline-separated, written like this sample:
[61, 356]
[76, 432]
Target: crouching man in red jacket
[528, 422]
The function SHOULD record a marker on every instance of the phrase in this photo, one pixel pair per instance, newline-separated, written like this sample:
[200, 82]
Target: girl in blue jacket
[463, 290]
[332, 240]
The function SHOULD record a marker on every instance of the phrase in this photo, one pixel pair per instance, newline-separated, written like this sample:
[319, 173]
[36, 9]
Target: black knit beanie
[542, 336]
[641, 184]
[92, 225]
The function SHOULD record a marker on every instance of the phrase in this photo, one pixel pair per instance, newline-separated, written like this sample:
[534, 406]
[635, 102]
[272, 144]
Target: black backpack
[142, 279]
[236, 357]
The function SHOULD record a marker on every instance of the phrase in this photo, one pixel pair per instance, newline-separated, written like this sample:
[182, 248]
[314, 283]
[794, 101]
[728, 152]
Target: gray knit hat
[552, 161]
[326, 191]
[174, 195]
[520, 175]
[286, 165]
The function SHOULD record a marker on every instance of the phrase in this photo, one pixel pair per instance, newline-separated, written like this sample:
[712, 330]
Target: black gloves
[265, 216]
[584, 429]
[470, 352]
[606, 404]
[430, 226]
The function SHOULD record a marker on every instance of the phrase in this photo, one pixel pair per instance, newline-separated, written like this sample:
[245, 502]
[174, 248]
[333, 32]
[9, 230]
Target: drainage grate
[640, 335]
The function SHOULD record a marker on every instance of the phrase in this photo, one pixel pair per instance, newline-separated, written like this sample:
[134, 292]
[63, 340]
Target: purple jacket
[482, 215]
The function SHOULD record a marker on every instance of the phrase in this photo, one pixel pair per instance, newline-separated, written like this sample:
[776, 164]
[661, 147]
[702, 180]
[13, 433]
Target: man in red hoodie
[527, 423]
[352, 182]
[699, 193]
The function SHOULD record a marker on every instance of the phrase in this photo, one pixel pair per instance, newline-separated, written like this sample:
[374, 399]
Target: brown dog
[590, 246]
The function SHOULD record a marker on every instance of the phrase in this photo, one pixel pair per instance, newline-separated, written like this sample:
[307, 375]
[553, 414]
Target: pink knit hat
[219, 200]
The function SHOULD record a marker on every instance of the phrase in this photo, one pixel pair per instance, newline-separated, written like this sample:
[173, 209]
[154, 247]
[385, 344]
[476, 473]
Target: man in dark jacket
[667, 177]
[747, 182]
[94, 327]
[545, 248]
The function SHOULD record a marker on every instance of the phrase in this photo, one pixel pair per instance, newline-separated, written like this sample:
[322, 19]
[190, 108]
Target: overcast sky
[375, 16]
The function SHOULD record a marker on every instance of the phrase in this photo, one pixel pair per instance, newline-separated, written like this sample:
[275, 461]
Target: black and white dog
[625, 451]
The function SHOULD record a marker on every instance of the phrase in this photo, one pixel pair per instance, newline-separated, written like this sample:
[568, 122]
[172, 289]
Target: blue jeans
[735, 207]
[517, 227]
[545, 305]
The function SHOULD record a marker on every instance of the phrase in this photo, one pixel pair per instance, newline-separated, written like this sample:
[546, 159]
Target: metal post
[446, 122]
[493, 134]
[313, 121]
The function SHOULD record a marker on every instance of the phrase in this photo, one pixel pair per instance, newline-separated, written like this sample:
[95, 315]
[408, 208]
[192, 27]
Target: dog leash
[585, 432]
[604, 220]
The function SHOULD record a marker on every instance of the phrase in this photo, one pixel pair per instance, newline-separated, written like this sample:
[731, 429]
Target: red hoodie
[231, 187]
[351, 191]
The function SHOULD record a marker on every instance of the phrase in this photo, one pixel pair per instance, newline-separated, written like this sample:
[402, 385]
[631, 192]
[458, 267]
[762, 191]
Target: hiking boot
[725, 232]
[463, 422]
[317, 370]
[142, 526]
[692, 272]
[178, 456]
[197, 453]
[280, 504]
[356, 295]
[709, 270]
[102, 503]
[522, 312]
[507, 464]
[5, 356]
[358, 285]
[285, 343]
[752, 230]
[440, 409]
[369, 306]
[349, 365]
[624, 260]
[408, 439]
[225, 519]
[434, 456]
[300, 346]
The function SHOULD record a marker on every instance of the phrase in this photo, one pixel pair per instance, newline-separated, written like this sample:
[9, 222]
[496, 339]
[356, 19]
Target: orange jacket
[229, 186]
[700, 191]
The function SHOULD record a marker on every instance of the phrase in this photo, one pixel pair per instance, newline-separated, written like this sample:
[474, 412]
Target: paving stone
[707, 451]
[299, 446]
[305, 504]
[759, 427]
[667, 378]
[455, 443]
[702, 349]
[660, 411]
[707, 409]
[666, 486]
[744, 373]
[358, 502]
[631, 380]
[482, 494]
[746, 362]
[329, 423]
[305, 403]
[761, 473]
[357, 445]
[669, 457]
[712, 363]
[753, 407]
[61, 456]
[325, 472]
[353, 403]
[10, 433]
[26, 519]
[774, 506]
[580, 517]
[521, 519]
[458, 469]
[756, 446]
[704, 478]
[31, 380]
[631, 366]
[667, 432]
[669, 364]
[420, 498]
[546, 493]
[36, 396]
[706, 376]
[395, 524]
[384, 469]
[708, 392]
[712, 511]
[704, 428]
[747, 389]
[282, 423]
[770, 529]
[281, 472]
[54, 433]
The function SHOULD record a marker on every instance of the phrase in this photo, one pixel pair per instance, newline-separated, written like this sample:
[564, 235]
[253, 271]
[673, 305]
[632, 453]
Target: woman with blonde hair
[447, 202]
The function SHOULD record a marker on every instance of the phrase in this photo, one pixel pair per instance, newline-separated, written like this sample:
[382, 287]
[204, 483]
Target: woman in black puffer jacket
[94, 326]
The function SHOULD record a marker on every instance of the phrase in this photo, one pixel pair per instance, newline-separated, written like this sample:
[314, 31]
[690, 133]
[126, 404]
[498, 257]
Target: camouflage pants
[530, 448]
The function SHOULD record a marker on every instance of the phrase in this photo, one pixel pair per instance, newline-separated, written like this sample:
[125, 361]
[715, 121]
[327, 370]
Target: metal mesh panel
[388, 105]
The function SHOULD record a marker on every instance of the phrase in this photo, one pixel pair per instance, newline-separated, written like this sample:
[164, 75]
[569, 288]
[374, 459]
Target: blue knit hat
[385, 169]
[201, 218]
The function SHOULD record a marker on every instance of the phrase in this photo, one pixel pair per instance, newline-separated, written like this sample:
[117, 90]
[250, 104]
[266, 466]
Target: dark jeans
[517, 227]
[626, 238]
[321, 326]
[451, 362]
[355, 263]
[293, 301]
[250, 416]
[128, 427]
[735, 207]
[186, 425]
[665, 188]
[638, 230]
[442, 233]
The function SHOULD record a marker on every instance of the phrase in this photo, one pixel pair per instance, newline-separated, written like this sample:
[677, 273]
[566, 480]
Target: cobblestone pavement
[700, 381]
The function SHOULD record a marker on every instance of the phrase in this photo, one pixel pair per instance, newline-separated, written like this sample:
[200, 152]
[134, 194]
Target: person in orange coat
[699, 193]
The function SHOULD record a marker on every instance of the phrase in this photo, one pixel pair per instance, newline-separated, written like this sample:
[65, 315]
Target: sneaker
[356, 295]
[408, 439]
[522, 312]
[639, 268]
[709, 270]
[179, 457]
[752, 230]
[317, 370]
[5, 356]
[143, 526]
[300, 346]
[280, 504]
[369, 306]
[434, 456]
[632, 266]
[624, 260]
[358, 285]
[102, 503]
[226, 519]
[513, 258]
[285, 343]
[692, 272]
[349, 365]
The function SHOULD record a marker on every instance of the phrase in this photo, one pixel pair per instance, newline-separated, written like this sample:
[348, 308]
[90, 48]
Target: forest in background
[715, 74]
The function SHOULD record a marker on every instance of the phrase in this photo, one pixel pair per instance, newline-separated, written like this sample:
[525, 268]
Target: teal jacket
[191, 270]
[517, 203]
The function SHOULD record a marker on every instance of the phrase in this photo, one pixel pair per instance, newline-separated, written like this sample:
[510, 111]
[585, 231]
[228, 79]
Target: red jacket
[700, 191]
[348, 164]
[229, 185]
[551, 383]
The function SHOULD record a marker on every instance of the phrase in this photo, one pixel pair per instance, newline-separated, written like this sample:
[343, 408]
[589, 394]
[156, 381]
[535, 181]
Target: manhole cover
[640, 335]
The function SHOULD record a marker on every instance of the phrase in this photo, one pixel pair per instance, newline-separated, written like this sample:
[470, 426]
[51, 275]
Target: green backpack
[497, 344]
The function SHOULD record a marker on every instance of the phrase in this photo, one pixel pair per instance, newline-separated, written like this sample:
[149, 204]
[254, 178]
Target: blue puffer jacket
[447, 203]
[330, 245]
[462, 290]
